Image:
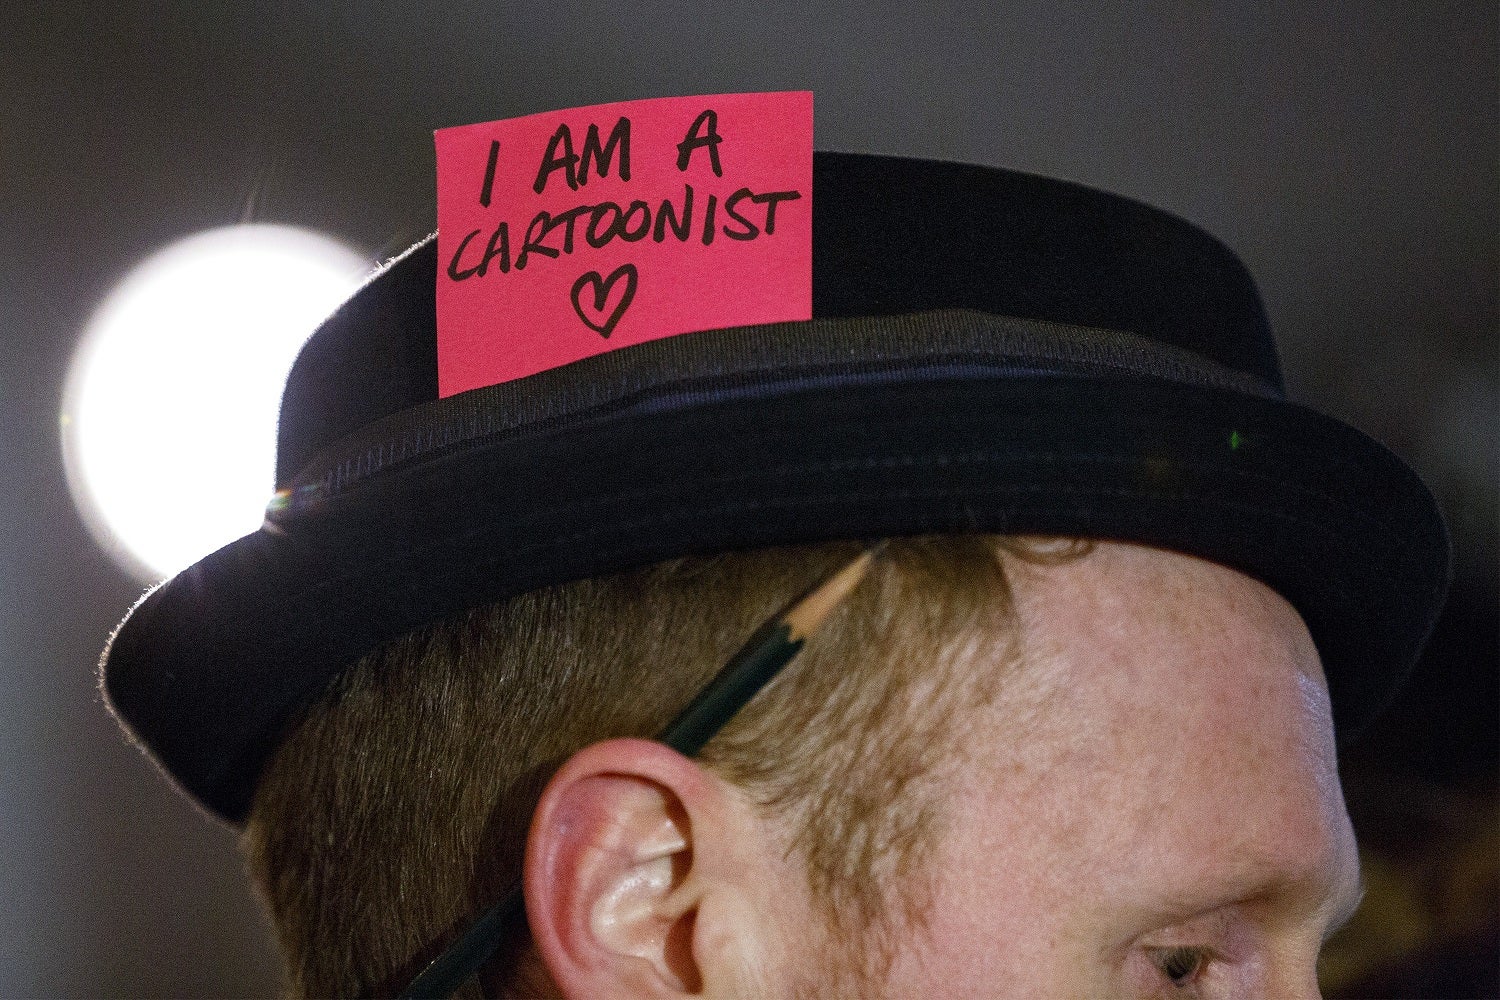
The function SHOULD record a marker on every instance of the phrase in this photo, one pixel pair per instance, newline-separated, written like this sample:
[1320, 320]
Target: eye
[1181, 965]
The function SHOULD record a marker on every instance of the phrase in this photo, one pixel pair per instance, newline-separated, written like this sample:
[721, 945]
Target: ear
[638, 877]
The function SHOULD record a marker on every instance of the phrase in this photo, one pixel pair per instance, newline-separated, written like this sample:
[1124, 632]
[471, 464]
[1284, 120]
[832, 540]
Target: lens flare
[169, 414]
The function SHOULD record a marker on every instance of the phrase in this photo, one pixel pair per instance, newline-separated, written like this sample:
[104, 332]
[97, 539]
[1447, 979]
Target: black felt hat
[989, 352]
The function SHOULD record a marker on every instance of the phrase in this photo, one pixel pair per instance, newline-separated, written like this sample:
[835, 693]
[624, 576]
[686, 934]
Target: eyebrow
[1337, 898]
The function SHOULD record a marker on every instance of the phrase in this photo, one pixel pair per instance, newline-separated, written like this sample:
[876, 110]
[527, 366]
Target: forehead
[1131, 639]
[1169, 719]
[1157, 652]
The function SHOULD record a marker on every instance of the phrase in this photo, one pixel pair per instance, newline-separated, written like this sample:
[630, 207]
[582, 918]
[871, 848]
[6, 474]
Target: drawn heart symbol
[602, 287]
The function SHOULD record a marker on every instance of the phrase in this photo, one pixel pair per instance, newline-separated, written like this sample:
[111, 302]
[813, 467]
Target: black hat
[989, 352]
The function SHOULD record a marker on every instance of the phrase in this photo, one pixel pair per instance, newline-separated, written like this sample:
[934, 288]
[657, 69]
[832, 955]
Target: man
[1072, 735]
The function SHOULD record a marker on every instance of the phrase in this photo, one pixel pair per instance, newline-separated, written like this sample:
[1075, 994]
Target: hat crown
[891, 236]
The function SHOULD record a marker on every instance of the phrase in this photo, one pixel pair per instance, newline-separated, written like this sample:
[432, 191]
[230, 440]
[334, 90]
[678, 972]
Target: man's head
[1061, 756]
[1001, 763]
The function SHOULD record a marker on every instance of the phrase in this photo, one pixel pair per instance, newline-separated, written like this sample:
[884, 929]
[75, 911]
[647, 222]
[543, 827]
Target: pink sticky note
[567, 234]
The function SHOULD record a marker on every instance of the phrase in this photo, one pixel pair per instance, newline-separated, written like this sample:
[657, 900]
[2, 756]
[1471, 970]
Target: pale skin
[1151, 808]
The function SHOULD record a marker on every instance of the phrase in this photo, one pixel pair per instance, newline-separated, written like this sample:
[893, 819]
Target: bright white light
[169, 416]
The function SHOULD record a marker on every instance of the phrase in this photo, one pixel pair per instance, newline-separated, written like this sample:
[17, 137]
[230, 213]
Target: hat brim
[382, 537]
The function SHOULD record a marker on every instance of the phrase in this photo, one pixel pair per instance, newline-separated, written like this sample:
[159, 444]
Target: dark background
[1348, 152]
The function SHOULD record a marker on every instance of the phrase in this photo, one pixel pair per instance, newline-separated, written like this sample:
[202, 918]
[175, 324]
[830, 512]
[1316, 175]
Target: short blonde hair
[399, 805]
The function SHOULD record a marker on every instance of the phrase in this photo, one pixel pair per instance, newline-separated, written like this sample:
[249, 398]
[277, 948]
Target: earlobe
[612, 888]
